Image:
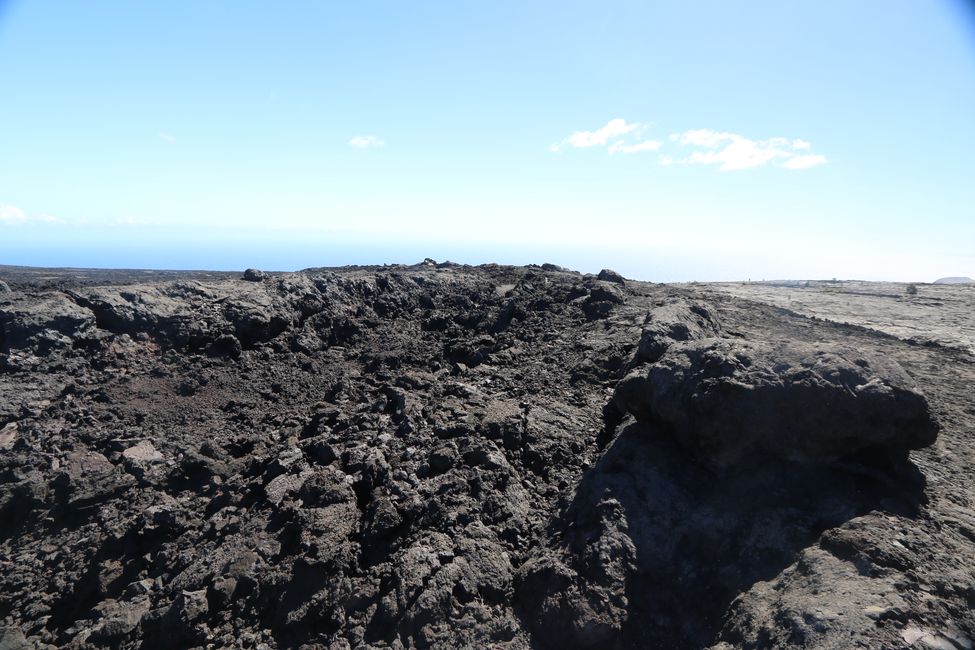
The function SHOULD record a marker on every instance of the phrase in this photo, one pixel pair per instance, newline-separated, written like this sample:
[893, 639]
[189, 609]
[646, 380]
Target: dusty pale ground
[941, 314]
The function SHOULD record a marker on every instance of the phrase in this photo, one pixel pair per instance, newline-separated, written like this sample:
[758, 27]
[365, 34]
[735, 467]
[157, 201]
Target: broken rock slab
[732, 401]
[143, 452]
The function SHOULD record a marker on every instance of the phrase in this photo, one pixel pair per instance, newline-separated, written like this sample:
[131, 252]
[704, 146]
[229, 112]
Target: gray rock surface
[609, 275]
[431, 457]
[672, 320]
[734, 401]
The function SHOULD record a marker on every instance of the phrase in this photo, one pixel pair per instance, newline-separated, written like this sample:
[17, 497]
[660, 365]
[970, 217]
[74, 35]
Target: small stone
[483, 458]
[192, 604]
[8, 434]
[139, 588]
[143, 452]
[227, 346]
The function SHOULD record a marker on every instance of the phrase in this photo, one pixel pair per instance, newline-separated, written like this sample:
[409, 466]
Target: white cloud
[168, 138]
[624, 136]
[702, 137]
[599, 137]
[12, 214]
[647, 145]
[365, 142]
[804, 162]
[730, 151]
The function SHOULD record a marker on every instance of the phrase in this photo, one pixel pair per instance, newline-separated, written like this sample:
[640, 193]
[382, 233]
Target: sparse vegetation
[911, 289]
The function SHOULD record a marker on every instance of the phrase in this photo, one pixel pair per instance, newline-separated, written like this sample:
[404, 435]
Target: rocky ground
[444, 456]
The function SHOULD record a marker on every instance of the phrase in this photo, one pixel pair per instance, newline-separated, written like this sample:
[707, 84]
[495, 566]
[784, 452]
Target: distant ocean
[219, 255]
[230, 250]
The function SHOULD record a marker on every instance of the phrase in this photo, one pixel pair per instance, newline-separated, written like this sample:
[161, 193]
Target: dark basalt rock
[609, 275]
[445, 456]
[733, 402]
[673, 320]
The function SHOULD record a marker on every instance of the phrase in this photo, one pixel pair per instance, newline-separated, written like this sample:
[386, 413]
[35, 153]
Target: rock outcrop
[733, 402]
[673, 320]
[444, 456]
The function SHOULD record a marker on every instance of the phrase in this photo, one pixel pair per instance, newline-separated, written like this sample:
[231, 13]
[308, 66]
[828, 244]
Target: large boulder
[731, 401]
[609, 275]
[676, 319]
[51, 320]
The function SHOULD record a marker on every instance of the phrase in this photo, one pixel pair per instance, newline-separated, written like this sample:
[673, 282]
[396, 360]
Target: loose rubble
[445, 456]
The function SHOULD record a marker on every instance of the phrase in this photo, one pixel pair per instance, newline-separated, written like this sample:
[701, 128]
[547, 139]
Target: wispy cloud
[618, 135]
[132, 221]
[11, 214]
[599, 137]
[365, 142]
[647, 145]
[730, 151]
[168, 138]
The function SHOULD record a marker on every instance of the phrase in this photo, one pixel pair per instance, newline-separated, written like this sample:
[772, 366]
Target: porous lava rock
[431, 456]
[676, 319]
[734, 401]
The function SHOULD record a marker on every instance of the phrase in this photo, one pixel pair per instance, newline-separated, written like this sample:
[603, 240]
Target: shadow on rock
[741, 454]
[654, 547]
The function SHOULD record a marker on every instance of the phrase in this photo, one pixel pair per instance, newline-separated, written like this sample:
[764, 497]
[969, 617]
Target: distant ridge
[954, 280]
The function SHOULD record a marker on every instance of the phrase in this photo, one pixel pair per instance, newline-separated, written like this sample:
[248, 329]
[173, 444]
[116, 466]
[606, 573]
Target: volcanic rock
[672, 320]
[732, 401]
[143, 452]
[445, 456]
[609, 275]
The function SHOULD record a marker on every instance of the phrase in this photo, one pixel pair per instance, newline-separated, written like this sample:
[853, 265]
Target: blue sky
[672, 141]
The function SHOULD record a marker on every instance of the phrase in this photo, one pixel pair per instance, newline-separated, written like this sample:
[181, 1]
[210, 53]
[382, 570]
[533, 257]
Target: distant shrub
[911, 289]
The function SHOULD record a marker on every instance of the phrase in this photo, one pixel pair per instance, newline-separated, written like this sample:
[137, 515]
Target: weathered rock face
[431, 457]
[736, 401]
[675, 319]
[52, 321]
